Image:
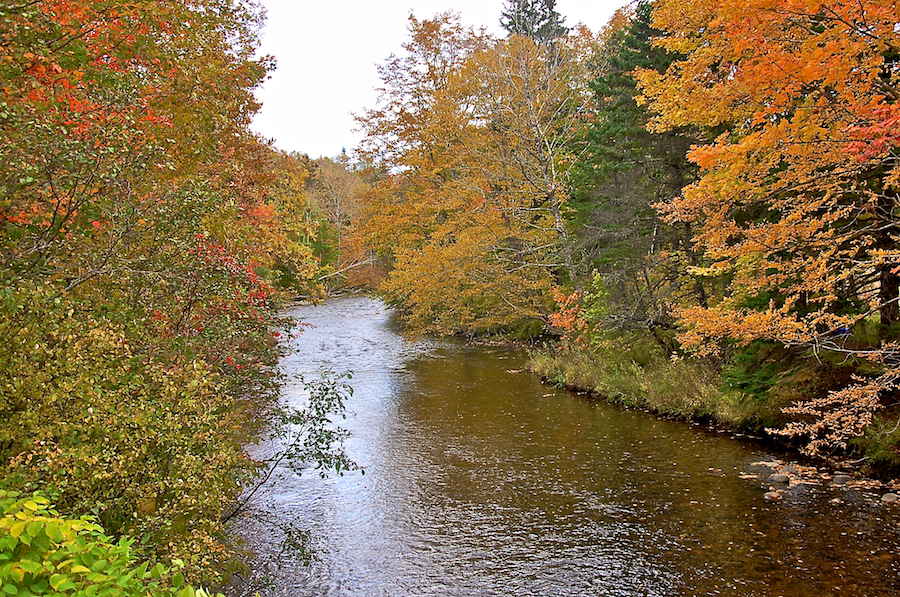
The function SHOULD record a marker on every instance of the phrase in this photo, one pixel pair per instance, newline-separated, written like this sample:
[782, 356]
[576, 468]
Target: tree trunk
[888, 280]
[699, 289]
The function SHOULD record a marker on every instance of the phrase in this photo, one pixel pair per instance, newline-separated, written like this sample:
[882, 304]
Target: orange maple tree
[797, 203]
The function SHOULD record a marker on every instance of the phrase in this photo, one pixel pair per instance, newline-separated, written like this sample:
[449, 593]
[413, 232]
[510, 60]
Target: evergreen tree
[617, 140]
[536, 19]
[622, 171]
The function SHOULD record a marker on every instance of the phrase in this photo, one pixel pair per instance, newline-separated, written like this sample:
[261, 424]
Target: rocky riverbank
[779, 478]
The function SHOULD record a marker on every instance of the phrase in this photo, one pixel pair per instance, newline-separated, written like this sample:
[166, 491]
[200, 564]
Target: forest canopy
[718, 179]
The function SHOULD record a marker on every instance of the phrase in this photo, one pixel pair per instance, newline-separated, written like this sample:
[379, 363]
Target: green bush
[42, 553]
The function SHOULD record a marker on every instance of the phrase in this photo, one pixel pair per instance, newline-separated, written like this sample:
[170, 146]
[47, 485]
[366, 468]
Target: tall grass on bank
[637, 374]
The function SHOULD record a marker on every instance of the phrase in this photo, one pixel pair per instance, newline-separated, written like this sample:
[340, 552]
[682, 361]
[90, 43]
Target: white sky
[327, 51]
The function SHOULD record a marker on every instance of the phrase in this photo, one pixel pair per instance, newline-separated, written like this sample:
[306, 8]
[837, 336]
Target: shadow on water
[479, 480]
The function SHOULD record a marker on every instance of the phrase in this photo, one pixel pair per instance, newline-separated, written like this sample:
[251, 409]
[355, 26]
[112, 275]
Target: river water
[480, 480]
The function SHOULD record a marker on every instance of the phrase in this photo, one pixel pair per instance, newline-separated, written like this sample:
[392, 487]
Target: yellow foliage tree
[471, 142]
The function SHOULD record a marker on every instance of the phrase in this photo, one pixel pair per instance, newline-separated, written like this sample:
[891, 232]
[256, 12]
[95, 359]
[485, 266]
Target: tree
[470, 206]
[136, 250]
[621, 171]
[532, 98]
[536, 19]
[338, 190]
[429, 214]
[796, 202]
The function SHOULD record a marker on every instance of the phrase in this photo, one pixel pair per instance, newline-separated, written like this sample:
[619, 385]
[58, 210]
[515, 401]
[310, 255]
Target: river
[480, 480]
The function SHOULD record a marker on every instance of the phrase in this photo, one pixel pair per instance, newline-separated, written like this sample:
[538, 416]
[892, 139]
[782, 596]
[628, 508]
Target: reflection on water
[479, 480]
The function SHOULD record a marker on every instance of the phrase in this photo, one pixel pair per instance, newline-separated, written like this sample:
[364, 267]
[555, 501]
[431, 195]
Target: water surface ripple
[479, 480]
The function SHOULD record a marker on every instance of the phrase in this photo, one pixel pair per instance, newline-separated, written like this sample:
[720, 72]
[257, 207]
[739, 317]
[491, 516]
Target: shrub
[42, 553]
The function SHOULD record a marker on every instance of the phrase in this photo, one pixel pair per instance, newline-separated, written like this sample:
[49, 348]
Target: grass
[636, 373]
[881, 445]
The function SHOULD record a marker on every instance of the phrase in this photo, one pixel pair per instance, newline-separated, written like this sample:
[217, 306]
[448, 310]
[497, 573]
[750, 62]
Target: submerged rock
[890, 498]
[779, 478]
[841, 479]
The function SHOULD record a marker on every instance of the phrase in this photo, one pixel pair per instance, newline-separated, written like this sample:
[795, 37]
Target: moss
[753, 370]
[527, 329]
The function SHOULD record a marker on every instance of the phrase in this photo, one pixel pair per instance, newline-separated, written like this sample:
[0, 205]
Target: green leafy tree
[43, 553]
[536, 19]
[622, 170]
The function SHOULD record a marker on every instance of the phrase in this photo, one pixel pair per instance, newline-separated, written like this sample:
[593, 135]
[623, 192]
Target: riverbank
[679, 388]
[635, 375]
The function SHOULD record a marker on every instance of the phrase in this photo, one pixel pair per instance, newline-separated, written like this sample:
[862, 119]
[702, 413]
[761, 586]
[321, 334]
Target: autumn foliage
[716, 177]
[470, 146]
[795, 208]
[145, 236]
[705, 179]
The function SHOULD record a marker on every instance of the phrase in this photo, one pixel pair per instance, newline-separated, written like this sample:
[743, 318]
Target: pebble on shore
[791, 474]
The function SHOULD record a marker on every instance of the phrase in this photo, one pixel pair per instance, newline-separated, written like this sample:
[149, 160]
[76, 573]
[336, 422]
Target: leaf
[52, 530]
[30, 567]
[57, 580]
[34, 529]
[17, 529]
[68, 585]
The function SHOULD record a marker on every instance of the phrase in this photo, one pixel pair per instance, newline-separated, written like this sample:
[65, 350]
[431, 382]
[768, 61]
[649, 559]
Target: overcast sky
[327, 51]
